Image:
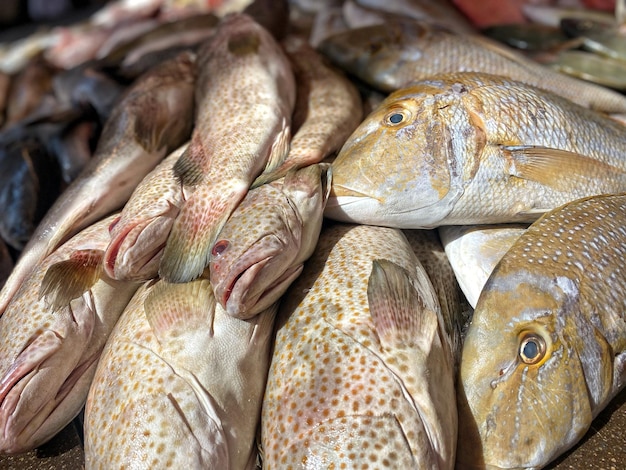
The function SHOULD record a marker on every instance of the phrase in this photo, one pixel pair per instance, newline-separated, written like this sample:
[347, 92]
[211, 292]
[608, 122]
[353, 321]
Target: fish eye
[532, 348]
[219, 247]
[396, 117]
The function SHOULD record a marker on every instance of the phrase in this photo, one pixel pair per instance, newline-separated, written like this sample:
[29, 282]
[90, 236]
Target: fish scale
[562, 336]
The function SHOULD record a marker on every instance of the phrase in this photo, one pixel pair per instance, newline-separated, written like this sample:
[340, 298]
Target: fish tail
[188, 248]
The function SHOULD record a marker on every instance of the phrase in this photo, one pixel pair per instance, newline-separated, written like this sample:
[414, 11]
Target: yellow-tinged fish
[546, 349]
[361, 371]
[474, 250]
[245, 97]
[328, 109]
[398, 52]
[150, 120]
[179, 384]
[139, 234]
[262, 247]
[51, 337]
[470, 148]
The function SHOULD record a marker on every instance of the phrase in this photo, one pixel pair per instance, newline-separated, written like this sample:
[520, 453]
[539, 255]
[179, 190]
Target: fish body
[153, 118]
[401, 51]
[188, 381]
[328, 109]
[545, 351]
[266, 240]
[245, 97]
[352, 378]
[50, 343]
[139, 234]
[469, 148]
[474, 250]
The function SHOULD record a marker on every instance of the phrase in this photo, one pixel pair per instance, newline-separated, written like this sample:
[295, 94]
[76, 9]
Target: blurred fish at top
[400, 51]
[152, 118]
[546, 349]
[469, 148]
[245, 97]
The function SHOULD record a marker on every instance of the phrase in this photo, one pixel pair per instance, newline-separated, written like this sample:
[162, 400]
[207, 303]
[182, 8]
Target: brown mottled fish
[262, 247]
[151, 119]
[392, 55]
[51, 337]
[188, 381]
[245, 97]
[546, 349]
[361, 371]
[138, 235]
[470, 148]
[328, 109]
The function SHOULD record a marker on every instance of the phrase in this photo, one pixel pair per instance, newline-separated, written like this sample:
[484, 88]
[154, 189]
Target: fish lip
[246, 274]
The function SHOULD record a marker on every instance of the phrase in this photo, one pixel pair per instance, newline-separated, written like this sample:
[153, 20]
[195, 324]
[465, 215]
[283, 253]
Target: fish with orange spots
[546, 349]
[179, 384]
[263, 246]
[328, 109]
[51, 337]
[361, 373]
[139, 233]
[245, 96]
[471, 148]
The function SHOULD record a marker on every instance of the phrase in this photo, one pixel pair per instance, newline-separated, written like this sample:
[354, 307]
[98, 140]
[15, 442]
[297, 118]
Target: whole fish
[139, 234]
[153, 118]
[245, 97]
[51, 336]
[474, 250]
[328, 109]
[392, 55]
[188, 381]
[263, 246]
[469, 148]
[545, 351]
[352, 379]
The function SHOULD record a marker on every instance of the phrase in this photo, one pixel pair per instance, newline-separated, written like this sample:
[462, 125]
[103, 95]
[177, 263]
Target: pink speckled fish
[153, 118]
[245, 97]
[361, 373]
[138, 235]
[328, 109]
[51, 337]
[179, 385]
[546, 349]
[262, 247]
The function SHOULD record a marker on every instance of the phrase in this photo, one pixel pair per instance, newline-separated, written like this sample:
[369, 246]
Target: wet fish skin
[474, 250]
[50, 345]
[328, 109]
[245, 97]
[472, 148]
[189, 381]
[545, 350]
[401, 51]
[266, 240]
[139, 234]
[153, 118]
[357, 333]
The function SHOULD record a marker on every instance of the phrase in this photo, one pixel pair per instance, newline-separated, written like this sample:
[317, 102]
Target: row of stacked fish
[215, 273]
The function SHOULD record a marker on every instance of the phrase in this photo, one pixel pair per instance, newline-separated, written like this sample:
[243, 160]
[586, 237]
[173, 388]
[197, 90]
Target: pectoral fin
[157, 130]
[559, 169]
[172, 309]
[280, 148]
[67, 280]
[401, 315]
[188, 168]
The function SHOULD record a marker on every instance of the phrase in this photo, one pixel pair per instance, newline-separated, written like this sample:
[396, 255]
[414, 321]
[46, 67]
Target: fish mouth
[239, 285]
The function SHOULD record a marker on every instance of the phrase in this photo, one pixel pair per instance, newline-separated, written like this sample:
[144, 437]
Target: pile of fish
[308, 235]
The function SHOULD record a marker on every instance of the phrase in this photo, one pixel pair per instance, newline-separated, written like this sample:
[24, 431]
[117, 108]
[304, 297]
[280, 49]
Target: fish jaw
[508, 410]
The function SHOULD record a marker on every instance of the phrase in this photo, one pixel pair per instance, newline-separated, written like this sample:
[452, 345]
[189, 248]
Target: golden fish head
[406, 164]
[532, 367]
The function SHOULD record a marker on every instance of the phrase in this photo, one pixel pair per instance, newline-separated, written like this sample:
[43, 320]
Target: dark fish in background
[6, 263]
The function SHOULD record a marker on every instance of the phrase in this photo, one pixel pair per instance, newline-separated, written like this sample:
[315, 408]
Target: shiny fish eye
[532, 348]
[395, 118]
[219, 247]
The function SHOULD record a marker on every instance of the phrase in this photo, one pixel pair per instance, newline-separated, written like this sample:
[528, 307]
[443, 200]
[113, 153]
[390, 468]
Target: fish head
[528, 375]
[375, 53]
[407, 163]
